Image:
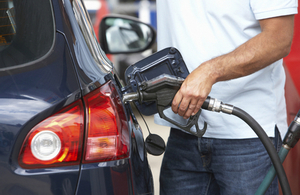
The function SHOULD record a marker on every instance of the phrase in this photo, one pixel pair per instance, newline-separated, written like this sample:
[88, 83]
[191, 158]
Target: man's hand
[194, 90]
[272, 44]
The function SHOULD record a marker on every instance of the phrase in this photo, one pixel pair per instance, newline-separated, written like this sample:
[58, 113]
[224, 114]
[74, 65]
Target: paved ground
[154, 161]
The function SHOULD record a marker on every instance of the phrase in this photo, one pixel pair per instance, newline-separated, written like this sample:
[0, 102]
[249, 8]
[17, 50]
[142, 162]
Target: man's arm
[272, 44]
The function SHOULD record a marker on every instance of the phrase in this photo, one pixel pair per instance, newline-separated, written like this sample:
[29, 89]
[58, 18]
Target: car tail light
[107, 136]
[56, 141]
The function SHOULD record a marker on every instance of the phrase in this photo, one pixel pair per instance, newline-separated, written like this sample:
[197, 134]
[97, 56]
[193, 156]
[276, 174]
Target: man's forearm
[272, 44]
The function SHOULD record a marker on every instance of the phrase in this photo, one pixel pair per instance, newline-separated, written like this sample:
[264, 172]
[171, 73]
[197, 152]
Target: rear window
[26, 31]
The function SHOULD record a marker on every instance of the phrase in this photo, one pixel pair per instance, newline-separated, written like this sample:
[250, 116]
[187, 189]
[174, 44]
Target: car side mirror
[124, 34]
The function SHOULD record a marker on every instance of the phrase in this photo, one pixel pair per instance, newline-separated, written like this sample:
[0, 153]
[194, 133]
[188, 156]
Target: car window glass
[26, 31]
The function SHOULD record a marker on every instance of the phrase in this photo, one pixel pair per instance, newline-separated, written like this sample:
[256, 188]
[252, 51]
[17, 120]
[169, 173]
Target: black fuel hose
[269, 147]
[215, 105]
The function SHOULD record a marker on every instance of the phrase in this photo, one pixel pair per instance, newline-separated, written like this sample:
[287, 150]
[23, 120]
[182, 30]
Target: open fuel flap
[153, 82]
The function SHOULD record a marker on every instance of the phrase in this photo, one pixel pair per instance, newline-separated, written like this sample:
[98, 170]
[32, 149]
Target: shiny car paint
[30, 94]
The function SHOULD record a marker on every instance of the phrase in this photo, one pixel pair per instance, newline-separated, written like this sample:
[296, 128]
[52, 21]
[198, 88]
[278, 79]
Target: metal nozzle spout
[130, 97]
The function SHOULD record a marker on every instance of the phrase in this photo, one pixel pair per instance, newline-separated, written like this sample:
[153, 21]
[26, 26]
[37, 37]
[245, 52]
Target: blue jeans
[194, 165]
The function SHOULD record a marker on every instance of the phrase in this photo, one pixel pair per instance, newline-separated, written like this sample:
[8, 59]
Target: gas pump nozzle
[162, 90]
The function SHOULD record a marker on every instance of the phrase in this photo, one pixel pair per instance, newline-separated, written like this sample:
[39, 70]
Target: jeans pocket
[277, 139]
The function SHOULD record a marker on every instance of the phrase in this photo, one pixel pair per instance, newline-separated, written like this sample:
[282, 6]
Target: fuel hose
[269, 147]
[271, 173]
[213, 104]
[290, 140]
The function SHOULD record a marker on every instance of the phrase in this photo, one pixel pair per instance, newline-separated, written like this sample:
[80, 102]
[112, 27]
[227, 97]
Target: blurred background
[144, 10]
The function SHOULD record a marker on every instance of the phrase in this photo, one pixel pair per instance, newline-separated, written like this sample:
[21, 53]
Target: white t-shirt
[204, 29]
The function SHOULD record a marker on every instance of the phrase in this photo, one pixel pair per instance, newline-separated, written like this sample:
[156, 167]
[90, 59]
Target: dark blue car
[63, 126]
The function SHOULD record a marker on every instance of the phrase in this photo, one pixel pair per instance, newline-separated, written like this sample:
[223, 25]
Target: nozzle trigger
[193, 120]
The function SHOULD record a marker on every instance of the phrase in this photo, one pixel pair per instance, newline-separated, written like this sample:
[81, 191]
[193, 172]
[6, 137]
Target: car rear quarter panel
[126, 176]
[28, 95]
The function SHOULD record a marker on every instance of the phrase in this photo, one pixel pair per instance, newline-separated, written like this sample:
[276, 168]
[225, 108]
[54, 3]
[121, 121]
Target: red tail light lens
[56, 141]
[107, 136]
